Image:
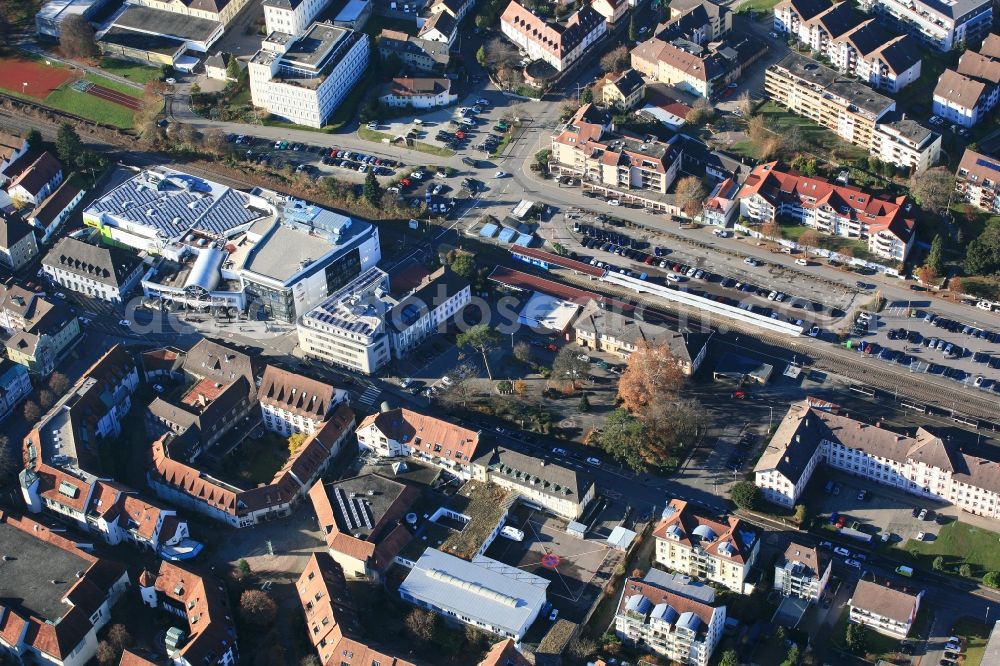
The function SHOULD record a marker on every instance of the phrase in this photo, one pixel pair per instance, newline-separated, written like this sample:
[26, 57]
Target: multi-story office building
[701, 547]
[941, 26]
[671, 617]
[292, 403]
[887, 610]
[304, 78]
[429, 308]
[291, 17]
[803, 572]
[966, 95]
[978, 181]
[586, 147]
[106, 273]
[558, 44]
[853, 42]
[923, 465]
[349, 328]
[838, 210]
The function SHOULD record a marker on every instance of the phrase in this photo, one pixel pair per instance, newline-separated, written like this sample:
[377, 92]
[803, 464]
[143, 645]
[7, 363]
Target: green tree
[584, 403]
[522, 352]
[856, 638]
[992, 579]
[935, 258]
[624, 437]
[483, 339]
[464, 265]
[295, 442]
[68, 144]
[34, 138]
[745, 495]
[633, 31]
[244, 567]
[965, 571]
[938, 563]
[233, 68]
[792, 659]
[372, 191]
[933, 188]
[983, 255]
[729, 658]
[481, 55]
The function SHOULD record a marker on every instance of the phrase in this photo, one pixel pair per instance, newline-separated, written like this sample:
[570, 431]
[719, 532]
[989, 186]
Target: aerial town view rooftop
[499, 333]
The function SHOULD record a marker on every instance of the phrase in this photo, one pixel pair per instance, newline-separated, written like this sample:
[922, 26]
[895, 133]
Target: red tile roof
[427, 434]
[690, 524]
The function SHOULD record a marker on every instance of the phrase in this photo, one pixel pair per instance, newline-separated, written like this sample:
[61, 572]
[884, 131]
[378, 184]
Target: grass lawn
[256, 460]
[88, 106]
[857, 247]
[876, 645]
[132, 71]
[975, 634]
[758, 5]
[123, 88]
[817, 139]
[377, 137]
[958, 543]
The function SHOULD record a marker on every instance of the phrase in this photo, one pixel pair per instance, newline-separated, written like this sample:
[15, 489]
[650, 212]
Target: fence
[821, 252]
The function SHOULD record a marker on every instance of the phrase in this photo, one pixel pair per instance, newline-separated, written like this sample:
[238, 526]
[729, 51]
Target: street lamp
[24, 88]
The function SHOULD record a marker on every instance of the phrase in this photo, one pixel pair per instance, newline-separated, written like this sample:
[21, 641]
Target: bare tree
[59, 383]
[745, 104]
[422, 625]
[214, 142]
[933, 188]
[32, 412]
[616, 60]
[258, 608]
[501, 53]
[652, 373]
[690, 195]
[771, 229]
[76, 38]
[10, 460]
[809, 239]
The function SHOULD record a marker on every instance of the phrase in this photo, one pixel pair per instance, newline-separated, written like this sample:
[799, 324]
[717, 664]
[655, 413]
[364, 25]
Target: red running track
[116, 97]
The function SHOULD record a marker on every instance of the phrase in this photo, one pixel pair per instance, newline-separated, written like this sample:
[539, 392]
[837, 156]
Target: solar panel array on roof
[995, 166]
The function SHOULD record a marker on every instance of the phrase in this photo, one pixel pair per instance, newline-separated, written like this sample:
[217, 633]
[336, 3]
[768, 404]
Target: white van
[984, 305]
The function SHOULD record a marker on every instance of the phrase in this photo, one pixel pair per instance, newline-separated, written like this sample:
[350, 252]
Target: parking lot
[577, 568]
[908, 333]
[316, 161]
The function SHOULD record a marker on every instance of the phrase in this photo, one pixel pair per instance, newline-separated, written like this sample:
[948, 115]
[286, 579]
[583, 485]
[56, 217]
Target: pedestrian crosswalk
[369, 397]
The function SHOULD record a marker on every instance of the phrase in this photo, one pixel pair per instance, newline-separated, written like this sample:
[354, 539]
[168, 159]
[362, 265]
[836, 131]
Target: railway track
[917, 391]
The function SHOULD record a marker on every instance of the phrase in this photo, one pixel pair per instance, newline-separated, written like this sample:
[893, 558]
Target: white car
[124, 322]
[553, 615]
[157, 388]
[558, 451]
[673, 278]
[446, 380]
[615, 202]
[750, 261]
[801, 262]
[482, 102]
[593, 461]
[853, 563]
[406, 382]
[501, 174]
[840, 550]
[373, 125]
[60, 294]
[921, 536]
[814, 332]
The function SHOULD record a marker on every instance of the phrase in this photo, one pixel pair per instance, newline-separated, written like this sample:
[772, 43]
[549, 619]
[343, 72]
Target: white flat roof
[544, 311]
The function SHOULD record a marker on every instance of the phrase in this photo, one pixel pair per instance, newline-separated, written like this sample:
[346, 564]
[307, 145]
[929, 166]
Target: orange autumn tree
[651, 375]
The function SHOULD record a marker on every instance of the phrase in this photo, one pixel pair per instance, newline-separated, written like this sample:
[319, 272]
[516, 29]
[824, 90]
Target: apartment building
[419, 55]
[201, 602]
[291, 17]
[427, 309]
[610, 331]
[966, 95]
[853, 42]
[940, 26]
[701, 68]
[106, 273]
[291, 403]
[349, 327]
[623, 91]
[723, 203]
[838, 210]
[719, 17]
[40, 332]
[612, 10]
[887, 610]
[55, 624]
[303, 79]
[12, 148]
[586, 147]
[671, 617]
[33, 178]
[418, 93]
[480, 592]
[700, 547]
[923, 464]
[906, 144]
[803, 572]
[554, 487]
[441, 27]
[15, 386]
[404, 433]
[558, 44]
[978, 181]
[49, 215]
[17, 243]
[222, 11]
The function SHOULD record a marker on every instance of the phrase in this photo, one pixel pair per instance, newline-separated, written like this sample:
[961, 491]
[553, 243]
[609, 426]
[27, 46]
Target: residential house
[923, 465]
[966, 95]
[720, 17]
[607, 330]
[692, 62]
[978, 181]
[418, 93]
[32, 179]
[558, 44]
[457, 9]
[15, 386]
[17, 243]
[623, 91]
[440, 27]
[554, 487]
[12, 149]
[49, 215]
[803, 572]
[403, 433]
[722, 205]
[53, 623]
[841, 210]
[200, 601]
[670, 617]
[217, 64]
[292, 403]
[419, 55]
[364, 544]
[887, 610]
[701, 547]
[105, 273]
[40, 331]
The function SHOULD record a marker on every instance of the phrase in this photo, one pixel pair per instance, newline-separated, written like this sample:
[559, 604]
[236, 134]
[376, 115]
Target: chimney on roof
[202, 400]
